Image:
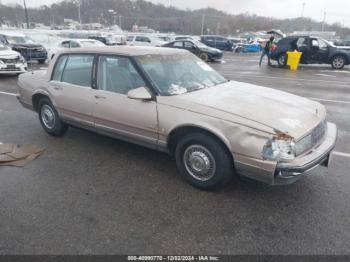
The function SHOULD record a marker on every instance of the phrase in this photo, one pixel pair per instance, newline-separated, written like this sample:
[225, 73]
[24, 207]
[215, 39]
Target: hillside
[159, 17]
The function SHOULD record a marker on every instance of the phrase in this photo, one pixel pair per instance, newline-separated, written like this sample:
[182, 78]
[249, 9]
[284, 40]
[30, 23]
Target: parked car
[218, 42]
[315, 51]
[74, 43]
[24, 45]
[248, 48]
[169, 100]
[144, 40]
[11, 62]
[204, 52]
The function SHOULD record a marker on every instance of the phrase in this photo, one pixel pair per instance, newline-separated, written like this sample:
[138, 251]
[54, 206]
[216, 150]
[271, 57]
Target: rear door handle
[100, 97]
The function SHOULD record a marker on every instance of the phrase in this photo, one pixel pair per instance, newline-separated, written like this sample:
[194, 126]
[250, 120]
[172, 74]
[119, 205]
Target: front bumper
[288, 173]
[13, 69]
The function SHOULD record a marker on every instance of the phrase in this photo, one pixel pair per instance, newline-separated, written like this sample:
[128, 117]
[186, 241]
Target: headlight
[303, 145]
[279, 149]
[22, 59]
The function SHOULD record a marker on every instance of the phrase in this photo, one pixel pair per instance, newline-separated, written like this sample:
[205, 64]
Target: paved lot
[92, 194]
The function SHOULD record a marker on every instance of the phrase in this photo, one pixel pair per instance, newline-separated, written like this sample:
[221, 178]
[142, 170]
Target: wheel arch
[37, 97]
[180, 131]
[346, 57]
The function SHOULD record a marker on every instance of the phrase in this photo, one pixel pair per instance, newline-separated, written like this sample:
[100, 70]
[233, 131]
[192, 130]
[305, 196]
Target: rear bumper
[288, 173]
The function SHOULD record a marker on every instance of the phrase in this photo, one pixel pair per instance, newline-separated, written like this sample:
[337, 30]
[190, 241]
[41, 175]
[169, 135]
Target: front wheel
[282, 60]
[50, 119]
[203, 161]
[338, 62]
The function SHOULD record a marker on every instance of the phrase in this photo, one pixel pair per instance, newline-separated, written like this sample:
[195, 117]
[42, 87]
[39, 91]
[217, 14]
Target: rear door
[114, 112]
[302, 46]
[71, 87]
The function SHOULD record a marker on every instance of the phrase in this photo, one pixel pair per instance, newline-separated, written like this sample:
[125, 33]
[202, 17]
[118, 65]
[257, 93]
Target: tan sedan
[169, 100]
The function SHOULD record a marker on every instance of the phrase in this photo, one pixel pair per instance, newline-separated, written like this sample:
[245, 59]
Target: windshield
[3, 47]
[199, 44]
[19, 40]
[179, 73]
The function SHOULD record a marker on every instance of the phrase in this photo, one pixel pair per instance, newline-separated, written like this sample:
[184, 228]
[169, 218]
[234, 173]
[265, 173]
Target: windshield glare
[179, 73]
[3, 47]
[19, 40]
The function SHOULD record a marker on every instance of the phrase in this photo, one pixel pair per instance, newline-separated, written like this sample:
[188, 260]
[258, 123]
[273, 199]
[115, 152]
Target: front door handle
[100, 97]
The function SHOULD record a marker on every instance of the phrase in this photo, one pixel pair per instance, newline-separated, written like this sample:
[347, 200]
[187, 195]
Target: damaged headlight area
[277, 149]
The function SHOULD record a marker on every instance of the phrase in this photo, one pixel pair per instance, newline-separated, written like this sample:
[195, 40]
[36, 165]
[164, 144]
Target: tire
[50, 119]
[203, 161]
[204, 57]
[338, 62]
[41, 61]
[282, 60]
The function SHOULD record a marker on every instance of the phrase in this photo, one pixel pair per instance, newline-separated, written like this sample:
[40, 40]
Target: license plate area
[11, 66]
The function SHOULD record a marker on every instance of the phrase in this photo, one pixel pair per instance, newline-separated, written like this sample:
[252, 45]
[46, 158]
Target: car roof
[126, 50]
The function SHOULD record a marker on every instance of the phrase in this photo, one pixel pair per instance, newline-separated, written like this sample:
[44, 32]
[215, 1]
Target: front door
[318, 51]
[70, 88]
[114, 112]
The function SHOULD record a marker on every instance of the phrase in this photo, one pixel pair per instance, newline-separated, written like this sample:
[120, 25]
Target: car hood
[236, 102]
[26, 46]
[9, 54]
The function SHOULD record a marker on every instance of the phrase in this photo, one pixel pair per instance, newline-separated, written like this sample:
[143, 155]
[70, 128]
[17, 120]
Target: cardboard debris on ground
[19, 156]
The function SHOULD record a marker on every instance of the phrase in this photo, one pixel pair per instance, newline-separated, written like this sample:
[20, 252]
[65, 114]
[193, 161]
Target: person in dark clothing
[266, 50]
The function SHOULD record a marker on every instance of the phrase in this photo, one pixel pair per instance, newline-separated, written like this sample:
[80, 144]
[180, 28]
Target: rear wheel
[203, 161]
[204, 56]
[50, 119]
[338, 62]
[282, 60]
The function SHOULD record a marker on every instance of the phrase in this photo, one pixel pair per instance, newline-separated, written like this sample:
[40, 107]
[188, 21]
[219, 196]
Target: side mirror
[139, 93]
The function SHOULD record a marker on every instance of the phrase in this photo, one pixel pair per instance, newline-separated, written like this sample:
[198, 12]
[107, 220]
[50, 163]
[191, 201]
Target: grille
[10, 61]
[9, 69]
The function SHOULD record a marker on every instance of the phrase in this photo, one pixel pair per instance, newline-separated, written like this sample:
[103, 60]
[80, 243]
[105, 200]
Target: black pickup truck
[315, 51]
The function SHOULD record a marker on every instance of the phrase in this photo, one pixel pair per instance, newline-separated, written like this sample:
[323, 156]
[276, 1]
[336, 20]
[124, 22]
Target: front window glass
[177, 44]
[118, 75]
[179, 73]
[78, 70]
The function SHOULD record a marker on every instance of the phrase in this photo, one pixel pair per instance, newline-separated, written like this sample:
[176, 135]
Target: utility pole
[79, 11]
[324, 20]
[303, 9]
[120, 22]
[203, 19]
[26, 13]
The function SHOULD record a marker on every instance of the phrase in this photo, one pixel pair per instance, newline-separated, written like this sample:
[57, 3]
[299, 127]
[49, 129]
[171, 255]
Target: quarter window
[118, 75]
[78, 70]
[57, 73]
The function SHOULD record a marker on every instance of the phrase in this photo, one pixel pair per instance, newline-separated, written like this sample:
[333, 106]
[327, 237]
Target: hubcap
[282, 59]
[338, 62]
[48, 116]
[199, 162]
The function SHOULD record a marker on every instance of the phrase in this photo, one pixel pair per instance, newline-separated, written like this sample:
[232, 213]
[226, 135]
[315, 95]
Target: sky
[336, 10]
